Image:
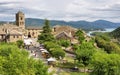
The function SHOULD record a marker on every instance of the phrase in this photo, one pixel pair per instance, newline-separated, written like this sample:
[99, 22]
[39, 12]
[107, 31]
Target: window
[29, 35]
[14, 36]
[21, 18]
[2, 36]
[17, 36]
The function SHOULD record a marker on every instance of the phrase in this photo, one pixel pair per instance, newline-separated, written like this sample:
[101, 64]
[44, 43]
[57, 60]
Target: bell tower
[20, 19]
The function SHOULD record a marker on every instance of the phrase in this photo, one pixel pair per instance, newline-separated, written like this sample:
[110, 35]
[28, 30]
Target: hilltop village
[58, 50]
[12, 33]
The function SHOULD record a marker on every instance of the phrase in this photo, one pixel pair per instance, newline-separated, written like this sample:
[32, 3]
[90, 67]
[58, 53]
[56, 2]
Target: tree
[64, 43]
[108, 46]
[111, 47]
[49, 45]
[14, 61]
[106, 64]
[58, 52]
[19, 43]
[85, 53]
[80, 35]
[46, 33]
[75, 47]
[79, 32]
[46, 27]
[115, 33]
[55, 50]
[40, 69]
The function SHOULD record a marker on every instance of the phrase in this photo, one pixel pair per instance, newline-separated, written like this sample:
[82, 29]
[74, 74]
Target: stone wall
[14, 38]
[34, 32]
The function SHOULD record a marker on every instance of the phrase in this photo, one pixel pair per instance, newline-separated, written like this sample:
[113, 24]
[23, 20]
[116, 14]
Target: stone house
[64, 32]
[33, 31]
[10, 33]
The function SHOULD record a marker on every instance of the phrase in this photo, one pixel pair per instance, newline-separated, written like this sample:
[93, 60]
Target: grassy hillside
[116, 33]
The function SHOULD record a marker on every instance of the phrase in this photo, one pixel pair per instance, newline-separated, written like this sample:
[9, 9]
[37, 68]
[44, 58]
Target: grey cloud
[6, 3]
[62, 9]
[115, 7]
[5, 9]
[5, 18]
[105, 17]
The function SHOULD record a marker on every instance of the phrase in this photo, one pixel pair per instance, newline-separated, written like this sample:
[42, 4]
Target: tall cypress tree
[46, 33]
[46, 27]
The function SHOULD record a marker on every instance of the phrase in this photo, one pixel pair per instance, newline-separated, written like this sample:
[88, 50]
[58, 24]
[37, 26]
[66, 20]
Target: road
[35, 50]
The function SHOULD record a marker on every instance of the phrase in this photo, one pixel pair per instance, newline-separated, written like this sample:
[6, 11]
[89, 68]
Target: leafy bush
[64, 43]
[19, 43]
[57, 53]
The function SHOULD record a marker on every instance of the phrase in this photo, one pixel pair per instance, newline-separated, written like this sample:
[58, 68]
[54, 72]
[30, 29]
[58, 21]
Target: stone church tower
[20, 19]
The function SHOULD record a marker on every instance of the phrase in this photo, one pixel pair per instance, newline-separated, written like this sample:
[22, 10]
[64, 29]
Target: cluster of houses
[18, 31]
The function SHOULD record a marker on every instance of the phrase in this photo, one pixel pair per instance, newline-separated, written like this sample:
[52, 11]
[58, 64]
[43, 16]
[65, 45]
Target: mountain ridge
[86, 25]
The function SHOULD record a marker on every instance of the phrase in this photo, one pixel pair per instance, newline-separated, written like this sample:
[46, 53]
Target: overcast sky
[68, 10]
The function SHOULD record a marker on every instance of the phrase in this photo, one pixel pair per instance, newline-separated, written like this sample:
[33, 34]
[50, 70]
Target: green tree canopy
[46, 27]
[49, 45]
[14, 61]
[85, 53]
[116, 33]
[80, 35]
[106, 64]
[55, 50]
[20, 43]
[64, 43]
[108, 46]
[58, 52]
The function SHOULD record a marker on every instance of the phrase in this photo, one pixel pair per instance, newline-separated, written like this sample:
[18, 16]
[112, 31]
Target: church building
[12, 33]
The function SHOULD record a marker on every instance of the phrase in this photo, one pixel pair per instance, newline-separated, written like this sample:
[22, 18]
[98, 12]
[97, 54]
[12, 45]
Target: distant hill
[99, 24]
[2, 22]
[116, 33]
